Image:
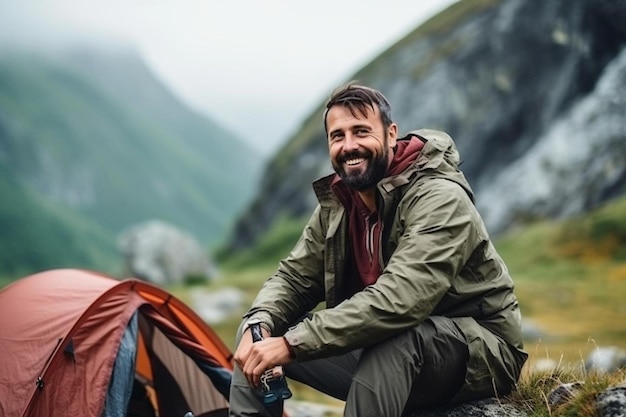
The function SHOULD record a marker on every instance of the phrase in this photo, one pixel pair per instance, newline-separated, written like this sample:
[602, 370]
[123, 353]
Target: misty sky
[258, 67]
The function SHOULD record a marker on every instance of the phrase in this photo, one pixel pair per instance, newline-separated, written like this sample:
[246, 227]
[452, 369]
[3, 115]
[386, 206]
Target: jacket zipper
[371, 238]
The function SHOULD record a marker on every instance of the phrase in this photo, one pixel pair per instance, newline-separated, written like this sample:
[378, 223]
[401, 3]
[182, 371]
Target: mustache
[354, 155]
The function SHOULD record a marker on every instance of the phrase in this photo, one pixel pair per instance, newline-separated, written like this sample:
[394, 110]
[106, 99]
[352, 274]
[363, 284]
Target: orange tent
[77, 343]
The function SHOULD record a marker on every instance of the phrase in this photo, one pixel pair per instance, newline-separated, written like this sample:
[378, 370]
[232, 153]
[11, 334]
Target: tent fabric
[174, 368]
[175, 334]
[219, 376]
[61, 332]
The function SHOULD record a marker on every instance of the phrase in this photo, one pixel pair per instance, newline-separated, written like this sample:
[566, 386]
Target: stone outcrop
[609, 403]
[162, 254]
[218, 305]
[612, 402]
[606, 359]
[490, 407]
[532, 93]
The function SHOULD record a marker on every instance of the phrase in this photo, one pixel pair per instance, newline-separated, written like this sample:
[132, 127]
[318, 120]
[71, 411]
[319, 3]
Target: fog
[256, 67]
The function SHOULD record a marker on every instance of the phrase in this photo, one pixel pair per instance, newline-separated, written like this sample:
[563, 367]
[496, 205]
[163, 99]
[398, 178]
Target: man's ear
[392, 134]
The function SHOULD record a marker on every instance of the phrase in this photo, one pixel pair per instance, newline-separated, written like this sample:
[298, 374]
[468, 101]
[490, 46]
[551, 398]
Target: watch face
[257, 333]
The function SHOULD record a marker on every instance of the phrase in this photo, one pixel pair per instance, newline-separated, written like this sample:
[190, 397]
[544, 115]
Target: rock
[563, 150]
[162, 254]
[216, 306]
[531, 331]
[490, 407]
[543, 365]
[612, 402]
[531, 91]
[563, 393]
[606, 359]
[309, 409]
[609, 403]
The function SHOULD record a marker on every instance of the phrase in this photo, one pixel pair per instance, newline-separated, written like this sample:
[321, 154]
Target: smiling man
[419, 307]
[361, 148]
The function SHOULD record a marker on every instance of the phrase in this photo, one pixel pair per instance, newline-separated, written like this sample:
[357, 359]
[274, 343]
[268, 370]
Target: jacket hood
[439, 158]
[405, 154]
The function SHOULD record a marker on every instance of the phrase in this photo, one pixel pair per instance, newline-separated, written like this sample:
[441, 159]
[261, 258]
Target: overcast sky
[257, 67]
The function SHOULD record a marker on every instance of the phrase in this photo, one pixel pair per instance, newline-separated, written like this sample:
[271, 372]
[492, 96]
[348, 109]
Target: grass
[533, 392]
[571, 278]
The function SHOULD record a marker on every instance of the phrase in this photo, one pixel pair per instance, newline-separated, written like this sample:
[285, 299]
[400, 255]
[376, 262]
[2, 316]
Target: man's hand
[256, 358]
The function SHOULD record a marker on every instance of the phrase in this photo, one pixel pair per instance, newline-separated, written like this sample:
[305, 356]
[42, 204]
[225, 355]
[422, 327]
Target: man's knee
[441, 337]
[433, 353]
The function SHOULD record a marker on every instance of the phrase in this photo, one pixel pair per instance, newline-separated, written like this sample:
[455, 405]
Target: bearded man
[419, 307]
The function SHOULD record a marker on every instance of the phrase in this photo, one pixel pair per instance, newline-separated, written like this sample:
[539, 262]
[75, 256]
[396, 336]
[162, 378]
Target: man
[420, 309]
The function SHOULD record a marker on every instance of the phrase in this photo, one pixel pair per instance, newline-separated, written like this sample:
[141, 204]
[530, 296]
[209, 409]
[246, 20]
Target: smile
[355, 161]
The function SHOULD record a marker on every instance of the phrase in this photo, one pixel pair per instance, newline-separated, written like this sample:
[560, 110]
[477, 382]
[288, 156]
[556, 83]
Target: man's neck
[369, 198]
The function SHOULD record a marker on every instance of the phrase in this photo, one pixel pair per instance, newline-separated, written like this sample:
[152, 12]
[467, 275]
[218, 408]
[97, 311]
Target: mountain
[532, 92]
[91, 142]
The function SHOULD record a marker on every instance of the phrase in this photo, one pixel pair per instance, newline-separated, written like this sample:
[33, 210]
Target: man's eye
[362, 132]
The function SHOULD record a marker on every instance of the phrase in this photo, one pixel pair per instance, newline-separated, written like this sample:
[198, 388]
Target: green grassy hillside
[38, 235]
[571, 280]
[92, 141]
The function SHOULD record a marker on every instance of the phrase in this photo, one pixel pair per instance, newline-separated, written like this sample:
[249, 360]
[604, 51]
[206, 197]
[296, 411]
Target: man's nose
[350, 142]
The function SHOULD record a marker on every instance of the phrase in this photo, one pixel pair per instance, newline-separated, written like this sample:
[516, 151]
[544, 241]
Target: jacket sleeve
[297, 286]
[438, 227]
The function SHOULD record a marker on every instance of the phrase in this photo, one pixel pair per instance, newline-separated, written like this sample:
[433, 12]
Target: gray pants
[422, 367]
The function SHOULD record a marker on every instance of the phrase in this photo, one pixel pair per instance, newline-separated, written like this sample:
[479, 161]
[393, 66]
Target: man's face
[359, 147]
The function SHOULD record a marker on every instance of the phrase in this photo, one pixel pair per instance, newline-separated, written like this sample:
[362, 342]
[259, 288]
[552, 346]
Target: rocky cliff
[532, 92]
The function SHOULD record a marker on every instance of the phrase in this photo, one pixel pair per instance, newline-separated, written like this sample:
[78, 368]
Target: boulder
[216, 306]
[606, 359]
[162, 254]
[612, 402]
[609, 403]
[490, 407]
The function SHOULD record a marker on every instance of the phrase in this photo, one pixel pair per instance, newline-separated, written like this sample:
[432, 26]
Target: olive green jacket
[437, 260]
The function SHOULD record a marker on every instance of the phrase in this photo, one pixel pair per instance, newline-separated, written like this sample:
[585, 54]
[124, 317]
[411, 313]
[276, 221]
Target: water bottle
[274, 388]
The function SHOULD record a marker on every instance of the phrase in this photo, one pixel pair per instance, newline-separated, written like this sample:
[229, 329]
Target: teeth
[354, 161]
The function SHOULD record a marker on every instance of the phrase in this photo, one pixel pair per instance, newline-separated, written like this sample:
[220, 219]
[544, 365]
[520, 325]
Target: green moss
[272, 246]
[436, 28]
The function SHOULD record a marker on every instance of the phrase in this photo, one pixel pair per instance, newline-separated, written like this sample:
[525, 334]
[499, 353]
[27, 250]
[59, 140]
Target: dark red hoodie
[364, 225]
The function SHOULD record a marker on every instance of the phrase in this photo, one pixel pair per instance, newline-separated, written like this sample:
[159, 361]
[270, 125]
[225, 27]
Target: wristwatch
[259, 322]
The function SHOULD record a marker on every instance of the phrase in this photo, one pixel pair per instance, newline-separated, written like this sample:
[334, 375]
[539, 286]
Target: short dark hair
[359, 100]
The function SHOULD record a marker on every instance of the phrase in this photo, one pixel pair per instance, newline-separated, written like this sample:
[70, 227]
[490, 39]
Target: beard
[367, 178]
